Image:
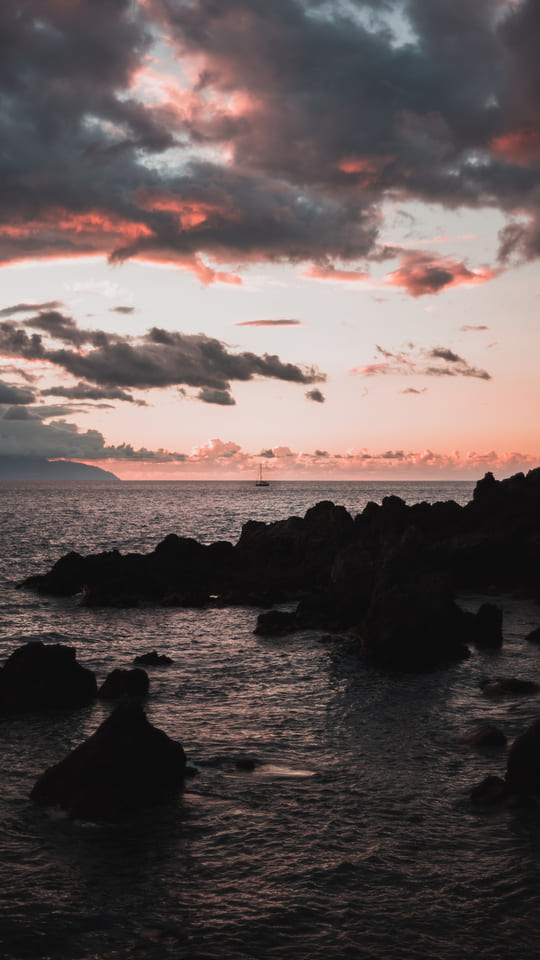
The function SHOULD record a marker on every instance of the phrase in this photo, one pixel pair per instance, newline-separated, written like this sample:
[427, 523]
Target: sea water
[353, 836]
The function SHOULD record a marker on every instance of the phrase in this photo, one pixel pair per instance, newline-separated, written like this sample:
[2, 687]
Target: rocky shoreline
[389, 576]
[387, 579]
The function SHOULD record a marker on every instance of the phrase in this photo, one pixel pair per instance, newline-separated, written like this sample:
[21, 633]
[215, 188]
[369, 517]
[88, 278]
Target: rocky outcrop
[413, 625]
[39, 676]
[153, 659]
[124, 683]
[390, 573]
[126, 766]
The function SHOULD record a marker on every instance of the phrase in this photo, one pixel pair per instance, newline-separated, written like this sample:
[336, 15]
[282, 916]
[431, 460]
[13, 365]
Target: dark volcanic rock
[153, 659]
[124, 683]
[40, 676]
[534, 636]
[414, 626]
[523, 764]
[275, 623]
[488, 793]
[126, 766]
[485, 627]
[484, 737]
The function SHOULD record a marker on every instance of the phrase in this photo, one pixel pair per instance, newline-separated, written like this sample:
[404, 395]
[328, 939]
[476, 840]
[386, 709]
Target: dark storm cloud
[222, 397]
[15, 395]
[338, 113]
[160, 359]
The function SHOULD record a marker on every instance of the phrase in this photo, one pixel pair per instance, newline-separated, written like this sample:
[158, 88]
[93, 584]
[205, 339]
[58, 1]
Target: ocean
[353, 837]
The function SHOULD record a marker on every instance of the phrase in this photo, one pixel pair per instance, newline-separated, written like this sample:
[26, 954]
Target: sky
[298, 233]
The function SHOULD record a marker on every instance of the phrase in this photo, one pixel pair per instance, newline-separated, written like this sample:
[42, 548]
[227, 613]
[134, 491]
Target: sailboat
[259, 481]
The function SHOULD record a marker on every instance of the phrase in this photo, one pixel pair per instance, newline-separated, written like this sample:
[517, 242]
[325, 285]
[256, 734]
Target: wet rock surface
[126, 766]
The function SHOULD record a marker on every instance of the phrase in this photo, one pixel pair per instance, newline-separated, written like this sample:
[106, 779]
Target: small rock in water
[153, 659]
[508, 686]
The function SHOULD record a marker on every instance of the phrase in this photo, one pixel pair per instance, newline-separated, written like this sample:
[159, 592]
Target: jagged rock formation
[390, 573]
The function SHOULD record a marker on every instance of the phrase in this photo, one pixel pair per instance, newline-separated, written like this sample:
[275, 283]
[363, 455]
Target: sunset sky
[290, 232]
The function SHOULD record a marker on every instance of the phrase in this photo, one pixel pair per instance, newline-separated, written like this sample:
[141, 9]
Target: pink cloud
[227, 459]
[422, 273]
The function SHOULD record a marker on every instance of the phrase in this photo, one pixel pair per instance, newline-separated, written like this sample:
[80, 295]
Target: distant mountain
[37, 469]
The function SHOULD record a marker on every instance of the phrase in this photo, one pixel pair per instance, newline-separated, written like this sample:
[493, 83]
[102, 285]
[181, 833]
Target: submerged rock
[39, 676]
[124, 683]
[508, 686]
[126, 766]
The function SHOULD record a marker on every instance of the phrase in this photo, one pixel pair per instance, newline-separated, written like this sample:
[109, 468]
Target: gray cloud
[15, 395]
[125, 310]
[159, 359]
[84, 391]
[413, 360]
[269, 323]
[61, 439]
[30, 308]
[316, 396]
[221, 397]
[341, 114]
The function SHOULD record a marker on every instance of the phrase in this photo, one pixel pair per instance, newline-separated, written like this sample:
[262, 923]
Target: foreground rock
[124, 683]
[39, 676]
[126, 766]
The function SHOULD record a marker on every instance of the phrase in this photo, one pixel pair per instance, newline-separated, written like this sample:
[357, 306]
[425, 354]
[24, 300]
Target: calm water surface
[353, 837]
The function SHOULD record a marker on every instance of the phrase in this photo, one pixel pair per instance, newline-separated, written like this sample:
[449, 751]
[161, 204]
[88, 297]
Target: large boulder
[414, 626]
[39, 676]
[126, 766]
